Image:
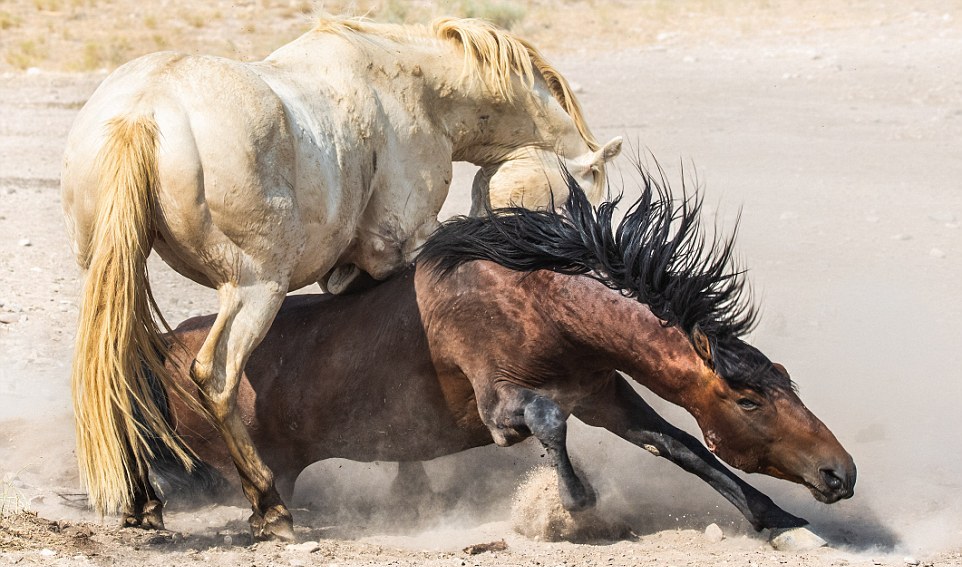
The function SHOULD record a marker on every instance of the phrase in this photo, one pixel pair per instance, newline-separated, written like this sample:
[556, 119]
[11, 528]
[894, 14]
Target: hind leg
[513, 414]
[246, 312]
[145, 509]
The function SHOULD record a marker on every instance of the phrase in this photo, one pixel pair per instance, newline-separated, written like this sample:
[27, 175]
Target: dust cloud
[841, 147]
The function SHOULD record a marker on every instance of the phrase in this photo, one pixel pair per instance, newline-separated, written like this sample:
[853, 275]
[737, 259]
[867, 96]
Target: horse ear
[702, 345]
[610, 150]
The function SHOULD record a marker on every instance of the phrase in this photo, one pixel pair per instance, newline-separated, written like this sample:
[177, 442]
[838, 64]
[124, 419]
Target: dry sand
[839, 138]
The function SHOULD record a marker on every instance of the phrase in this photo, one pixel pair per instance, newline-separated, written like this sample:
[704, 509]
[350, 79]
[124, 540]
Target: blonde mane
[491, 54]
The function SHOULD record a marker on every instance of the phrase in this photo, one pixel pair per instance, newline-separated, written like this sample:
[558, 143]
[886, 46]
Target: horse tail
[118, 421]
[190, 485]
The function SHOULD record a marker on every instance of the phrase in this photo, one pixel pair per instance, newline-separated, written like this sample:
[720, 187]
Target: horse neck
[484, 128]
[625, 334]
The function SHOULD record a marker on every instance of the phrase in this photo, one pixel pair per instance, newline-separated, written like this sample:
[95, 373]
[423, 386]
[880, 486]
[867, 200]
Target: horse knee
[545, 420]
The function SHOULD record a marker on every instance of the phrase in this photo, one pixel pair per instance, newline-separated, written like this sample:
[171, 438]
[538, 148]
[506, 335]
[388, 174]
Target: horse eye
[747, 404]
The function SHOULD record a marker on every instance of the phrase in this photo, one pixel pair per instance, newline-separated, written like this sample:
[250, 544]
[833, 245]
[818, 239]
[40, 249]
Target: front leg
[513, 414]
[619, 409]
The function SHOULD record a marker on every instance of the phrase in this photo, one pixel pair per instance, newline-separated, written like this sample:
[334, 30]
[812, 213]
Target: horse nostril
[831, 479]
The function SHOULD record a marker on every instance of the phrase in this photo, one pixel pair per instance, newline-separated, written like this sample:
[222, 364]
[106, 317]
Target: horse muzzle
[834, 482]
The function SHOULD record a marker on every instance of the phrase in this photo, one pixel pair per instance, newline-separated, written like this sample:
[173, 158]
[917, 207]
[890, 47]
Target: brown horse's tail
[118, 339]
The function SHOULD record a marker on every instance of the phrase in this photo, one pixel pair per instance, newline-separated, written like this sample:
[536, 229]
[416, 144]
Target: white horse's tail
[118, 339]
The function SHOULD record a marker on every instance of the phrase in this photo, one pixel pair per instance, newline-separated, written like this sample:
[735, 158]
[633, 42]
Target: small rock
[576, 87]
[909, 560]
[306, 547]
[945, 217]
[795, 539]
[479, 548]
[47, 552]
[713, 533]
[937, 253]
[24, 242]
[8, 318]
[902, 237]
[228, 541]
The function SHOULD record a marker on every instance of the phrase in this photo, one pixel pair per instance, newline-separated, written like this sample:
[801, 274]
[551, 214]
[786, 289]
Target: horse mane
[491, 54]
[658, 253]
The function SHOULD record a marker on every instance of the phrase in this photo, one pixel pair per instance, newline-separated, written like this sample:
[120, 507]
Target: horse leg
[619, 409]
[518, 413]
[145, 509]
[411, 479]
[246, 312]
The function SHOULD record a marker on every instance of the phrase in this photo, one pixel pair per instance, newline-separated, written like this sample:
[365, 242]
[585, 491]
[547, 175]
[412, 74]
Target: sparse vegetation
[12, 500]
[83, 35]
[8, 20]
[501, 12]
[28, 53]
[47, 5]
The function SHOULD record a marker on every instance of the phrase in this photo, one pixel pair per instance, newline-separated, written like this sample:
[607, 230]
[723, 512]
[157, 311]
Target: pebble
[942, 217]
[713, 533]
[937, 253]
[24, 242]
[47, 552]
[795, 539]
[902, 237]
[909, 560]
[8, 318]
[307, 546]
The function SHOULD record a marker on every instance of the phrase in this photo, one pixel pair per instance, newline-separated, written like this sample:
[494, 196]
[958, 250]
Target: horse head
[534, 177]
[752, 419]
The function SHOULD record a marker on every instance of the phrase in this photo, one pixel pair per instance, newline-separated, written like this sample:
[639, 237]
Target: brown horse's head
[752, 418]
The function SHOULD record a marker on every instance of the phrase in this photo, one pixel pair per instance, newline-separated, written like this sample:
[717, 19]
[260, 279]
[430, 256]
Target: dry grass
[12, 500]
[86, 35]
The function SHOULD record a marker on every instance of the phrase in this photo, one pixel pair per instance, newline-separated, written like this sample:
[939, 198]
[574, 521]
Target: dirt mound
[537, 513]
[28, 531]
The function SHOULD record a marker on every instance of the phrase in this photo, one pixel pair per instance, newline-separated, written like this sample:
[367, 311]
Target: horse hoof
[153, 515]
[578, 499]
[150, 517]
[276, 524]
[795, 539]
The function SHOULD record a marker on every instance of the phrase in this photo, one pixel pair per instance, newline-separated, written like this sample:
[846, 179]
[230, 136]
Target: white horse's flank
[331, 156]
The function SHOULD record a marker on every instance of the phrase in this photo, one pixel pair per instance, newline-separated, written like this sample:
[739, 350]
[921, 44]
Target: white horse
[330, 157]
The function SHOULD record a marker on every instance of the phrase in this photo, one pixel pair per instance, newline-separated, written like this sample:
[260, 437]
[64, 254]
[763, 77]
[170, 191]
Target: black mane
[658, 254]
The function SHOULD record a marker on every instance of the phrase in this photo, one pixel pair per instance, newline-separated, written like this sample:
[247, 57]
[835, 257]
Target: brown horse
[507, 325]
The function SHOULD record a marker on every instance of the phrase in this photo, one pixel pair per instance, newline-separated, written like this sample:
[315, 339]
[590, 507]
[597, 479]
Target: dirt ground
[839, 139]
